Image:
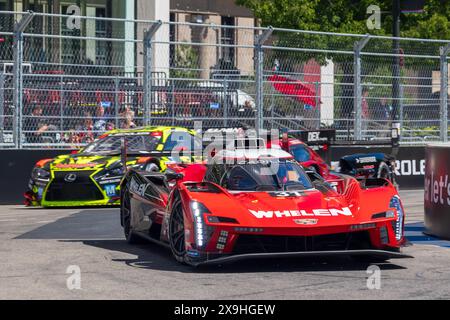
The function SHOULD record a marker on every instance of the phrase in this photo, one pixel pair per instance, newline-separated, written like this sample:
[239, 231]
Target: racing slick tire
[125, 214]
[176, 233]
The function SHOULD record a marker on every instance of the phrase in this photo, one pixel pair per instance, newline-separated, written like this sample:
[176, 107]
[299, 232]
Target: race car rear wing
[321, 140]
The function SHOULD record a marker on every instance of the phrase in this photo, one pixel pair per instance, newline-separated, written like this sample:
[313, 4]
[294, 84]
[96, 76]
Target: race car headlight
[398, 223]
[40, 174]
[202, 231]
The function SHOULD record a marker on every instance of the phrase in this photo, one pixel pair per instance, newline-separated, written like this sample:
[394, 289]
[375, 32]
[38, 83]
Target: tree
[185, 63]
[349, 16]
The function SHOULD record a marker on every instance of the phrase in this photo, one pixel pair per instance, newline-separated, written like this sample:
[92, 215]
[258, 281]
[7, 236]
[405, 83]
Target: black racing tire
[384, 171]
[176, 233]
[125, 215]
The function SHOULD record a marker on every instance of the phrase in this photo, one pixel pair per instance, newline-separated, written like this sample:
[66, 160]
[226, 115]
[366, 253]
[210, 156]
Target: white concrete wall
[155, 10]
[327, 93]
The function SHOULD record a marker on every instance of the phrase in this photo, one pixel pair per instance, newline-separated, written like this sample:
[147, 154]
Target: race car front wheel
[125, 213]
[176, 233]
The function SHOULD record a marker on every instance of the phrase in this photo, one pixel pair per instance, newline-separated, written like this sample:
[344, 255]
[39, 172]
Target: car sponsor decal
[286, 194]
[109, 181]
[366, 160]
[301, 213]
[306, 221]
[75, 165]
[140, 133]
[110, 190]
[137, 188]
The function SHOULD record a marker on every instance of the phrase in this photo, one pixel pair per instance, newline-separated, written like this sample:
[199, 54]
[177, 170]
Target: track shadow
[86, 224]
[414, 232]
[101, 229]
[154, 257]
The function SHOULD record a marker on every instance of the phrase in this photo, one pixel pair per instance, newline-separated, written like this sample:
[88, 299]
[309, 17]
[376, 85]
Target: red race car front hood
[308, 208]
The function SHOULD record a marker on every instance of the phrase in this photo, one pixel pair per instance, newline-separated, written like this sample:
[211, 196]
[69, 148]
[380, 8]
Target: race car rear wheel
[176, 233]
[125, 213]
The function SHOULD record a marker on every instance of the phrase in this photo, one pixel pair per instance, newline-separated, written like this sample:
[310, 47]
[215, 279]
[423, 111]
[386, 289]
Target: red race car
[305, 146]
[259, 203]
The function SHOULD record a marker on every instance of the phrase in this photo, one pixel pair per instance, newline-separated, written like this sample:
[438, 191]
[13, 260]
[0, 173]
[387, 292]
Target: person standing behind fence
[128, 122]
[86, 134]
[364, 111]
[383, 112]
[35, 126]
[100, 121]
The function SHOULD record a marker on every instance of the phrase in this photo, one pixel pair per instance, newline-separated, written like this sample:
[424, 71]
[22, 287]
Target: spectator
[35, 125]
[110, 126]
[100, 121]
[364, 111]
[86, 134]
[128, 123]
[383, 110]
[73, 139]
[128, 114]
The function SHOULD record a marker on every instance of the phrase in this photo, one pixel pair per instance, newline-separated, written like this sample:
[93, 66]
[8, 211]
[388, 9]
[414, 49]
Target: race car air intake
[398, 224]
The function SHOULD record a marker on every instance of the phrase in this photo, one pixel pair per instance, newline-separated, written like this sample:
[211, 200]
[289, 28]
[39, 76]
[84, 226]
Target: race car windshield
[268, 177]
[300, 153]
[136, 144]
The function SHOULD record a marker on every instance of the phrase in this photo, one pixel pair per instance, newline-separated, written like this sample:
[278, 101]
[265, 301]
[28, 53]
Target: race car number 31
[286, 194]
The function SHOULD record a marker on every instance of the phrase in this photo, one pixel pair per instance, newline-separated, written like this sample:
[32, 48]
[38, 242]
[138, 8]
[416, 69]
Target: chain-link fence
[65, 80]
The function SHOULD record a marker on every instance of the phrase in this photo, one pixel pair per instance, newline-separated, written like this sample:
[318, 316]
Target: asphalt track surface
[38, 245]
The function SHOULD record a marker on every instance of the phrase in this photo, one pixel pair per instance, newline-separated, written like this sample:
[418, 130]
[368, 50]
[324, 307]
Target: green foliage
[349, 16]
[185, 62]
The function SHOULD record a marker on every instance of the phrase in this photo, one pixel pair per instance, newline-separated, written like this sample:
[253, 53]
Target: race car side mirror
[170, 176]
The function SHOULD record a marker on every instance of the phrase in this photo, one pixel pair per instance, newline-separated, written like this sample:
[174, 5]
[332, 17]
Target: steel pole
[148, 66]
[396, 60]
[259, 66]
[444, 51]
[357, 87]
[19, 27]
[2, 106]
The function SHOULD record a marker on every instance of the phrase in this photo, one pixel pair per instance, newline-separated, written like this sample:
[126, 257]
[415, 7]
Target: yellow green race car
[91, 177]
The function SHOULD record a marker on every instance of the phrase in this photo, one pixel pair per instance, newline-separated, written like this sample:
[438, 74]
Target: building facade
[128, 55]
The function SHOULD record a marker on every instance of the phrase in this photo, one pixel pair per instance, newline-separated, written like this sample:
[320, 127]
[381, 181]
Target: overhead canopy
[294, 89]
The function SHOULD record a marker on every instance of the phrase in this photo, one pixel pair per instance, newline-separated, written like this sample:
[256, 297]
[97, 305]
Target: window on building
[172, 39]
[70, 48]
[100, 32]
[227, 38]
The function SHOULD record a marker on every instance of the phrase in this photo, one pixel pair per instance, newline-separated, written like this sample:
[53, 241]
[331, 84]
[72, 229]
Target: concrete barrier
[437, 190]
[16, 165]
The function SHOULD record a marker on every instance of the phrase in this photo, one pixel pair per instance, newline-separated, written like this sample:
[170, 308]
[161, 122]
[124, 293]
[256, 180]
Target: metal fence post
[2, 106]
[148, 66]
[116, 102]
[318, 108]
[225, 103]
[259, 73]
[19, 27]
[444, 51]
[357, 87]
[61, 105]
